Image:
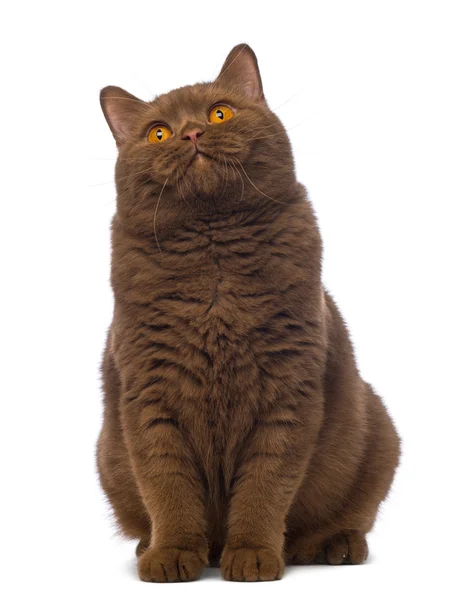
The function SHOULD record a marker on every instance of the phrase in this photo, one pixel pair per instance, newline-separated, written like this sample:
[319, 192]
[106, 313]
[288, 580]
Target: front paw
[170, 565]
[251, 564]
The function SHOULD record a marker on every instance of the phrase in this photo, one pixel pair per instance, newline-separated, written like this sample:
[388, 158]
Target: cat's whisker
[258, 129]
[130, 159]
[224, 176]
[155, 214]
[102, 158]
[180, 191]
[294, 126]
[287, 101]
[99, 184]
[183, 180]
[242, 181]
[254, 185]
[132, 175]
[273, 135]
[120, 179]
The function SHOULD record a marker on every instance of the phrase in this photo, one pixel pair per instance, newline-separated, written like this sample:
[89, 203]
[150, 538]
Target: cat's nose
[193, 135]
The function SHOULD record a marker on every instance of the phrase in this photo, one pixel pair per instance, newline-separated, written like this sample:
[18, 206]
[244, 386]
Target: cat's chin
[203, 178]
[201, 160]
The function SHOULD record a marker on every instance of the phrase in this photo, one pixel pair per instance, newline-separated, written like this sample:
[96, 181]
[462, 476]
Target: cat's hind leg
[113, 463]
[341, 540]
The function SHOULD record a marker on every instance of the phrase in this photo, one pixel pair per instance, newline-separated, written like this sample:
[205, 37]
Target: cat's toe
[251, 564]
[170, 565]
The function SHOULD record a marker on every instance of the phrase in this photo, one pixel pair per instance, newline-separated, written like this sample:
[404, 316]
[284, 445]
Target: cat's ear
[241, 72]
[119, 108]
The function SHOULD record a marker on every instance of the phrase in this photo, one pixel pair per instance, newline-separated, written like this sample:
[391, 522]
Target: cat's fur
[237, 428]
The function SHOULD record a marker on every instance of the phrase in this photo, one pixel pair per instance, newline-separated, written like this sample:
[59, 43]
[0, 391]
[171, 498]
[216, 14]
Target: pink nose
[193, 135]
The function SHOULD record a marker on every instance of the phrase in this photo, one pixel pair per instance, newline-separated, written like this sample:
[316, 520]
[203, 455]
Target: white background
[374, 96]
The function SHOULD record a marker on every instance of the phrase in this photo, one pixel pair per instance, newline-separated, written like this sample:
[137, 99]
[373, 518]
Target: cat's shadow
[214, 572]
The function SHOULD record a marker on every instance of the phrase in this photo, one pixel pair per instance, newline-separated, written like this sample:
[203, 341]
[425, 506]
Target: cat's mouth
[200, 158]
[201, 173]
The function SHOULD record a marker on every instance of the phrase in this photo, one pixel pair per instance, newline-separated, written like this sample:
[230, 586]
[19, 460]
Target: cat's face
[203, 147]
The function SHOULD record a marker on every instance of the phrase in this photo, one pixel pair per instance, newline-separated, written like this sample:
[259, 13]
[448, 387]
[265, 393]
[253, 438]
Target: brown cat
[236, 427]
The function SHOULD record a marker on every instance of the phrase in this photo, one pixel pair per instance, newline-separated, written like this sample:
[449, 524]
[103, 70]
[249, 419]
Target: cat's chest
[214, 294]
[211, 302]
[221, 296]
[221, 281]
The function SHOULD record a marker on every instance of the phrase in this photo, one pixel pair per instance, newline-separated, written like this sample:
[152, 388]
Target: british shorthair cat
[237, 430]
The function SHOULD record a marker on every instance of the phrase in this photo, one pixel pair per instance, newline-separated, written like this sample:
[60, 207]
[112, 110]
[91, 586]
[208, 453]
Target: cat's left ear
[120, 109]
[240, 72]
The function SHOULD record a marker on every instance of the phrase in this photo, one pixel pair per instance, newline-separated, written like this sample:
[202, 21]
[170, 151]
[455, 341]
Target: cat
[237, 430]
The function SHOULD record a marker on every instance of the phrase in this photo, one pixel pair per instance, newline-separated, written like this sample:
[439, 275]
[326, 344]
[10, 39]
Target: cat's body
[235, 418]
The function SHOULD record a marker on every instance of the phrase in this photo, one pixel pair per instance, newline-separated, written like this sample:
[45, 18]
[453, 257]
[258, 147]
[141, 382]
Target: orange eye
[220, 113]
[158, 133]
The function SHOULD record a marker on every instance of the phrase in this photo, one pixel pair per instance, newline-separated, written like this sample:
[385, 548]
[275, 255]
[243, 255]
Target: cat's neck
[167, 221]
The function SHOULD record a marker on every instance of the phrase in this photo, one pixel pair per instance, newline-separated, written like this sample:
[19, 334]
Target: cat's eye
[158, 133]
[220, 113]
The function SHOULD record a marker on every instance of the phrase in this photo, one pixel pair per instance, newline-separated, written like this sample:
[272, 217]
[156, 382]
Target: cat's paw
[251, 564]
[348, 547]
[168, 565]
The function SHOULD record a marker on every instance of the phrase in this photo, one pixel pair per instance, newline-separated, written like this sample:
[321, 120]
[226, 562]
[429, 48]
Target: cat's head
[213, 146]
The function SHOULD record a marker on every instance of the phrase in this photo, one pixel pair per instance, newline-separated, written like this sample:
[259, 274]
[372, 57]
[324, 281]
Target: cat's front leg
[272, 467]
[172, 490]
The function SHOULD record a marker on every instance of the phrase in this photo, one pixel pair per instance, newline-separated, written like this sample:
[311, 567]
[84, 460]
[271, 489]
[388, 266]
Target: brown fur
[237, 428]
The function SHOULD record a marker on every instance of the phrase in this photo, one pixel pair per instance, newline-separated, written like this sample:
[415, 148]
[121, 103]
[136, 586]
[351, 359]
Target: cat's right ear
[119, 108]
